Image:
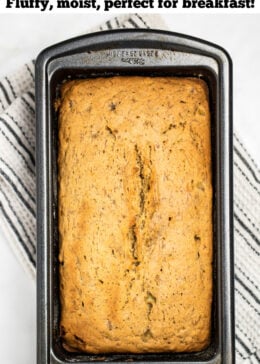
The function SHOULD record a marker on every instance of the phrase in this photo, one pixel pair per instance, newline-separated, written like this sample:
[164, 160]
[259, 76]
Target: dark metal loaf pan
[134, 52]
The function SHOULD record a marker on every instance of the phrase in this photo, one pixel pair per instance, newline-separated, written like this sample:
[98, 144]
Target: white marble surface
[17, 309]
[21, 38]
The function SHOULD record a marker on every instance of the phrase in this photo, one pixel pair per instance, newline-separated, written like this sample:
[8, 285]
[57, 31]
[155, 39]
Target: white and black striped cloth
[17, 195]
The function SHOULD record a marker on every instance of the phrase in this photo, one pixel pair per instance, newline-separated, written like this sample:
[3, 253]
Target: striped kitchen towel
[17, 194]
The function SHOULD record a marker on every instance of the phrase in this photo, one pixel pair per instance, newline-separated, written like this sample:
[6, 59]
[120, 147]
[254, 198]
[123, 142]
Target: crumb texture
[135, 214]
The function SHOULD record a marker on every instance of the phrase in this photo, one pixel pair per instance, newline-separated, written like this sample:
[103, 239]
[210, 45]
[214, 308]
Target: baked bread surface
[135, 215]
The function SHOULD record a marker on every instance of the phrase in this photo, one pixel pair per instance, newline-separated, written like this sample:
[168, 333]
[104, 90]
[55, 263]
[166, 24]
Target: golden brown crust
[135, 214]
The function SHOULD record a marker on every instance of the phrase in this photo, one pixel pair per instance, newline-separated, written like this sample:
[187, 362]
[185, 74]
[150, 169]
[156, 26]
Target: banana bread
[135, 214]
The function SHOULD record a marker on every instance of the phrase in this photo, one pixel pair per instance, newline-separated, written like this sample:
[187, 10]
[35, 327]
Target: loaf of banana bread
[135, 214]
